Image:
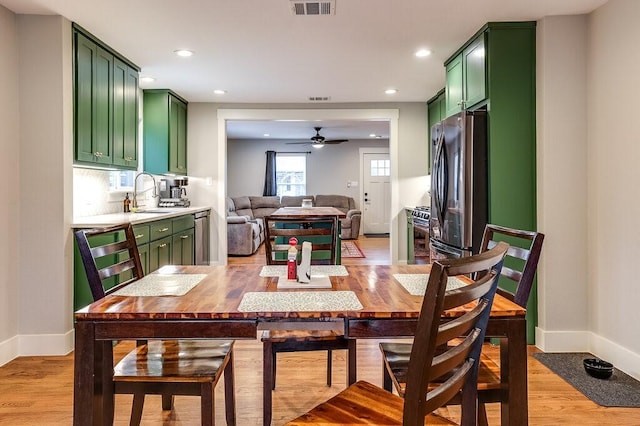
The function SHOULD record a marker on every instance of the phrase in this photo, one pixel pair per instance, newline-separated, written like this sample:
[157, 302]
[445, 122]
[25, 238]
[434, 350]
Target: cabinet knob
[128, 159]
[184, 237]
[163, 245]
[163, 230]
[97, 154]
[139, 236]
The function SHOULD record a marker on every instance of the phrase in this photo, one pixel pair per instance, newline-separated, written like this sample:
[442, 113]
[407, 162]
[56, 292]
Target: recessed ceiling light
[391, 91]
[266, 135]
[183, 52]
[423, 53]
[372, 135]
[146, 79]
[219, 92]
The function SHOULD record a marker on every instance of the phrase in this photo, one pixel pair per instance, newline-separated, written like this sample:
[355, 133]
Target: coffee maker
[173, 192]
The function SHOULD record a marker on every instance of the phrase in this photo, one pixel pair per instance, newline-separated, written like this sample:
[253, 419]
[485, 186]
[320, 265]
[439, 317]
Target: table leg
[267, 383]
[93, 399]
[513, 367]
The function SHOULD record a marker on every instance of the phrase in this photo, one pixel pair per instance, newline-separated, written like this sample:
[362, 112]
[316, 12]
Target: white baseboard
[585, 341]
[8, 350]
[36, 345]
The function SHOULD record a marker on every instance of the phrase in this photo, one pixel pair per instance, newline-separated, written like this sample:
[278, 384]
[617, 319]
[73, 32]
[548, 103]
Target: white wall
[9, 173]
[328, 168]
[411, 158]
[614, 178]
[562, 174]
[588, 175]
[45, 308]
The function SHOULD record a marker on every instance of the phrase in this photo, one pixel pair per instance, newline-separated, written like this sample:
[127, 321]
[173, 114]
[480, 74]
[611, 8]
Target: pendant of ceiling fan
[319, 140]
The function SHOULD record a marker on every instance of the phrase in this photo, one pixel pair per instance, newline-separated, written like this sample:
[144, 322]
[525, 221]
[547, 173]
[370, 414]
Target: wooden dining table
[230, 302]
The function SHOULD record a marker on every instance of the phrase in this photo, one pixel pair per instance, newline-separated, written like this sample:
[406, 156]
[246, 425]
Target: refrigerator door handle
[440, 189]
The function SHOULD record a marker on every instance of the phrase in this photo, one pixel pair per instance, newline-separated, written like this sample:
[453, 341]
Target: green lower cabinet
[160, 243]
[160, 252]
[183, 248]
[143, 250]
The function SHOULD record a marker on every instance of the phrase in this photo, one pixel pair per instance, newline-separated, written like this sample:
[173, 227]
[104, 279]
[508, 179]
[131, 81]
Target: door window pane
[380, 167]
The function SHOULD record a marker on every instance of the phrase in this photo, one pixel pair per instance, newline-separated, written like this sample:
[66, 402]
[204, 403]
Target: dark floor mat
[620, 390]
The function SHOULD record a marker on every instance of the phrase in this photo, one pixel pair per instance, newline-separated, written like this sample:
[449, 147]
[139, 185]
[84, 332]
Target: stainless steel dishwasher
[202, 237]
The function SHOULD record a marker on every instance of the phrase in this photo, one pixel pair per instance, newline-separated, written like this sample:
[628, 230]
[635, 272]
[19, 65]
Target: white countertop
[138, 217]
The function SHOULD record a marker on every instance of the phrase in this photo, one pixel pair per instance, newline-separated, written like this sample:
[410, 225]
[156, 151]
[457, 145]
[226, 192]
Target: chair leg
[352, 367]
[207, 404]
[482, 414]
[387, 384]
[136, 409]
[268, 379]
[229, 392]
[167, 401]
[329, 366]
[274, 363]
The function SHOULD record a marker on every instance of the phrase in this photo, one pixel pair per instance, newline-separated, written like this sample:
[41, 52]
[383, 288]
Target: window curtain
[270, 187]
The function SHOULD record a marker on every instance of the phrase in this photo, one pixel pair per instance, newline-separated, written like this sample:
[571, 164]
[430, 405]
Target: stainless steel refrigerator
[459, 198]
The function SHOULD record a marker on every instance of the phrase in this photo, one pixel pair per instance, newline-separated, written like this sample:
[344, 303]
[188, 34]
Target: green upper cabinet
[165, 132]
[106, 105]
[466, 77]
[436, 109]
[125, 114]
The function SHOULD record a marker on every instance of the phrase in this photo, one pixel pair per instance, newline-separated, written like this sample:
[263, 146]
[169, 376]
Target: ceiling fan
[318, 141]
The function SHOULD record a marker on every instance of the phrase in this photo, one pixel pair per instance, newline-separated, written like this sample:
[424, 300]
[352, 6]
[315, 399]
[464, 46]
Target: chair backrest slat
[525, 247]
[457, 363]
[119, 258]
[321, 231]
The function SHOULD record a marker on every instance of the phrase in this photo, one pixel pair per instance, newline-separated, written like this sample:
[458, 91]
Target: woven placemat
[300, 301]
[281, 270]
[416, 284]
[161, 285]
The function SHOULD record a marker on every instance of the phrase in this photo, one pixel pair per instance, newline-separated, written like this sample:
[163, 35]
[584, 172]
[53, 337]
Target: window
[291, 174]
[121, 180]
[380, 168]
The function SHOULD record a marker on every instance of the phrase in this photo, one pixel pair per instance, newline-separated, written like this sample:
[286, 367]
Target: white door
[376, 193]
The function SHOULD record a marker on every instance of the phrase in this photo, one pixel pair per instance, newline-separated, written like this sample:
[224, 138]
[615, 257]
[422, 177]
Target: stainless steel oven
[418, 234]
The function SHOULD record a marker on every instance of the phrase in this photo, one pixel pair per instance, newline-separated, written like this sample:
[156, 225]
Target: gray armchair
[244, 234]
[350, 226]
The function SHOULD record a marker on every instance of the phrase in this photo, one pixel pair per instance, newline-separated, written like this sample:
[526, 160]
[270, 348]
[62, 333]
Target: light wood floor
[39, 390]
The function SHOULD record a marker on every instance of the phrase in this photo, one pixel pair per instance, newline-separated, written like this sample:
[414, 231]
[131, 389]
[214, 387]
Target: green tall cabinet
[165, 132]
[495, 70]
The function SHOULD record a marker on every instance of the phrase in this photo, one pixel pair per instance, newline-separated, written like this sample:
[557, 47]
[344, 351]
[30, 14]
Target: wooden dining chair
[441, 365]
[183, 367]
[322, 232]
[520, 266]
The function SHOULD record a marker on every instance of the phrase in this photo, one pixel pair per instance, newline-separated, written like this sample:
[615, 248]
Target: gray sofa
[245, 223]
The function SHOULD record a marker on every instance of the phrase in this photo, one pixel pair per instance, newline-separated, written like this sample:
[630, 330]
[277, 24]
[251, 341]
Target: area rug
[350, 249]
[620, 390]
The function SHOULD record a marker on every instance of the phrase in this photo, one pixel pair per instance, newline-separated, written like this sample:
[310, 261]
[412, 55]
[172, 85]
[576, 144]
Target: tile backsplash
[91, 194]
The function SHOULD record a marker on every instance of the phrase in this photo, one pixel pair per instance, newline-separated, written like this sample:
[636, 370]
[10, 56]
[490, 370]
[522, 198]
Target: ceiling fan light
[317, 145]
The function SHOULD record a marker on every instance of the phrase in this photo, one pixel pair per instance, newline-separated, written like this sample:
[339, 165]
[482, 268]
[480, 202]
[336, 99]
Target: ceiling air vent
[311, 7]
[319, 98]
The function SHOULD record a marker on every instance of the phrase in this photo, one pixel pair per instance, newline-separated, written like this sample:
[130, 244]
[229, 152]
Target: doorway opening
[224, 115]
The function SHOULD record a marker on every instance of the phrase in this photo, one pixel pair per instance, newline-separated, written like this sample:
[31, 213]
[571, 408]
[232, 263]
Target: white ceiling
[260, 52]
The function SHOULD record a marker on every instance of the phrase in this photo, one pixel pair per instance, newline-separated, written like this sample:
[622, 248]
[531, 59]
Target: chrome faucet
[134, 203]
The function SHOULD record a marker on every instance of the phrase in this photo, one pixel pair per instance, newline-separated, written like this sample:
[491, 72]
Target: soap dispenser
[127, 203]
